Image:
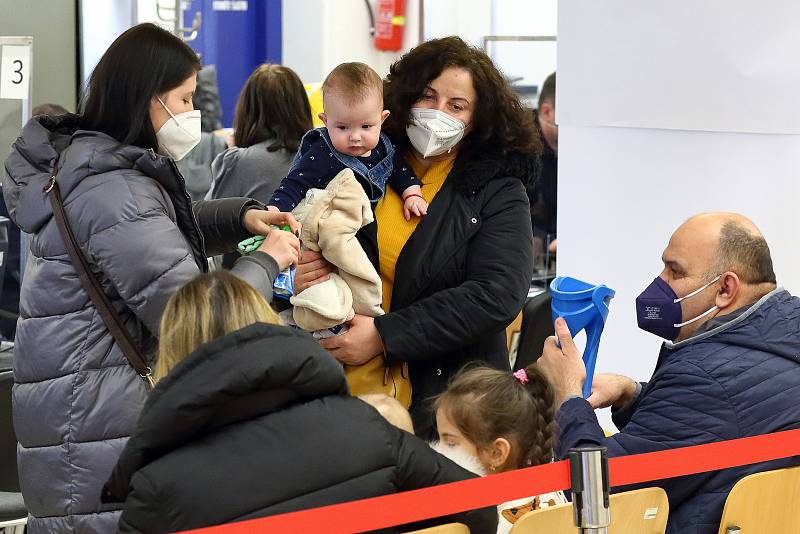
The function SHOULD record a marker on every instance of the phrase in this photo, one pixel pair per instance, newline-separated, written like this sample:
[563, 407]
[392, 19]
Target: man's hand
[562, 366]
[611, 390]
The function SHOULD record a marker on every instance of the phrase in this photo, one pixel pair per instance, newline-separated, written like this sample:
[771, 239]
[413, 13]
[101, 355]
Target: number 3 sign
[15, 72]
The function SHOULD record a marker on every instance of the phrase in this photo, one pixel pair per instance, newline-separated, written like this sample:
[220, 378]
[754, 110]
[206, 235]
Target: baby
[352, 96]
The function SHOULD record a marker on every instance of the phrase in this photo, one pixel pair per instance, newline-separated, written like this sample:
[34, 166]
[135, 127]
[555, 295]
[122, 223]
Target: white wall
[623, 189]
[533, 61]
[469, 19]
[320, 34]
[663, 66]
[474, 19]
[102, 22]
[148, 11]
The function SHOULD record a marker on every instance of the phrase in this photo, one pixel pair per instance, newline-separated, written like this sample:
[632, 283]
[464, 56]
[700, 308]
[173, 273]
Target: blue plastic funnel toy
[583, 306]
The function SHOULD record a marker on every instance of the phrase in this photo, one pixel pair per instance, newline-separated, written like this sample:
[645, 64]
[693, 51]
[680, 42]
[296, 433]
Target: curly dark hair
[486, 404]
[500, 122]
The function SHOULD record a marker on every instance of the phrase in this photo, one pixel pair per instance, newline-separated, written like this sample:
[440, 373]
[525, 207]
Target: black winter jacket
[260, 422]
[461, 278]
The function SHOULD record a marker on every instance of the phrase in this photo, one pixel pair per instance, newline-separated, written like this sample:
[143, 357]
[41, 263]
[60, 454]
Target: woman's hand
[284, 247]
[312, 269]
[358, 345]
[258, 222]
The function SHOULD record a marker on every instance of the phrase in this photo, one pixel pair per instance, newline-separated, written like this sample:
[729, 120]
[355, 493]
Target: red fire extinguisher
[389, 24]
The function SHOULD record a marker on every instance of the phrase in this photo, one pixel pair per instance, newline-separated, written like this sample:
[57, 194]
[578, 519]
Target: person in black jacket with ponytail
[251, 419]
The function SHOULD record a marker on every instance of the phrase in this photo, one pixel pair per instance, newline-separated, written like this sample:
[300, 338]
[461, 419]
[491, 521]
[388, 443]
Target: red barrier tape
[411, 506]
[701, 458]
[418, 505]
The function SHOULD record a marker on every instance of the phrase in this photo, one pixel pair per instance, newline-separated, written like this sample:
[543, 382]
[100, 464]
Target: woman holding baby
[456, 277]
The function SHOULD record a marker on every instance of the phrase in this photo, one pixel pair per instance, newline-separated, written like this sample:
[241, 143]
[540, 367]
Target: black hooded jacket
[260, 422]
[461, 278]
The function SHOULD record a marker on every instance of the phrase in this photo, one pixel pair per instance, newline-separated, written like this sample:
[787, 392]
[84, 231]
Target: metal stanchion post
[588, 467]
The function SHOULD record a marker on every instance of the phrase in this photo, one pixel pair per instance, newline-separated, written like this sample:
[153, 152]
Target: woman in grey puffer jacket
[76, 399]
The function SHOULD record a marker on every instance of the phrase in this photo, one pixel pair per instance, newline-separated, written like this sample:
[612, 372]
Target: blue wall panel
[236, 41]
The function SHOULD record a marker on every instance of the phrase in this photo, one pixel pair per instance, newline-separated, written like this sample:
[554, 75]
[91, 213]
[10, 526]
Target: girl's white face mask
[180, 134]
[433, 132]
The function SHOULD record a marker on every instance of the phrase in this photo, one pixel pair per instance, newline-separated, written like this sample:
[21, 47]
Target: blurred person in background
[272, 115]
[544, 196]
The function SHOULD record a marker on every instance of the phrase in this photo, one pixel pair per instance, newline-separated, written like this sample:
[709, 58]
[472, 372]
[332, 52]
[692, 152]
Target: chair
[537, 325]
[512, 330]
[13, 514]
[9, 480]
[764, 502]
[9, 275]
[6, 355]
[449, 528]
[641, 511]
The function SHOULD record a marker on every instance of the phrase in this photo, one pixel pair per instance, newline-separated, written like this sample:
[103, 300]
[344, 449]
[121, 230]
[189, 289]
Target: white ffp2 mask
[433, 132]
[180, 134]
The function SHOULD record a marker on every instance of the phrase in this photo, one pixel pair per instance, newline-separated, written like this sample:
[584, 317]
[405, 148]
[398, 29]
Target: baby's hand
[414, 205]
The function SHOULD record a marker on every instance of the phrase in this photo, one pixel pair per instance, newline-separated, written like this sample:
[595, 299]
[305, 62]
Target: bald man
[730, 367]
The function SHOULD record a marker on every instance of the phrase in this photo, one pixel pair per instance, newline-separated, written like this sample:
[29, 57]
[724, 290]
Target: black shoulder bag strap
[92, 286]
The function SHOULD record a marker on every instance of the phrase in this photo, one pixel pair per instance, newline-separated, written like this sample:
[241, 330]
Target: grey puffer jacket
[76, 400]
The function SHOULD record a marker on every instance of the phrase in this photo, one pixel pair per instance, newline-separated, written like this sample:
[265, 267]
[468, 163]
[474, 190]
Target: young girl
[505, 421]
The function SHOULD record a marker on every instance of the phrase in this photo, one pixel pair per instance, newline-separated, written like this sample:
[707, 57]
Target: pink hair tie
[522, 376]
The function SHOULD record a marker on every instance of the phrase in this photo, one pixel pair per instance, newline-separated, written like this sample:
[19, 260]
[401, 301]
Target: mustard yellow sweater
[394, 230]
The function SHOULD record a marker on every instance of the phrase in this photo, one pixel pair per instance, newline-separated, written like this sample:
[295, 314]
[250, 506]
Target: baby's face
[354, 128]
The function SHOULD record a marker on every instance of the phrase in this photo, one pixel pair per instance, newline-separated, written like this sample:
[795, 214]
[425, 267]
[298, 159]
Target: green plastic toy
[251, 244]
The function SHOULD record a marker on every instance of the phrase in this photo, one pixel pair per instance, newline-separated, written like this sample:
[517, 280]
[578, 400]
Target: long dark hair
[486, 404]
[272, 105]
[142, 62]
[500, 122]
